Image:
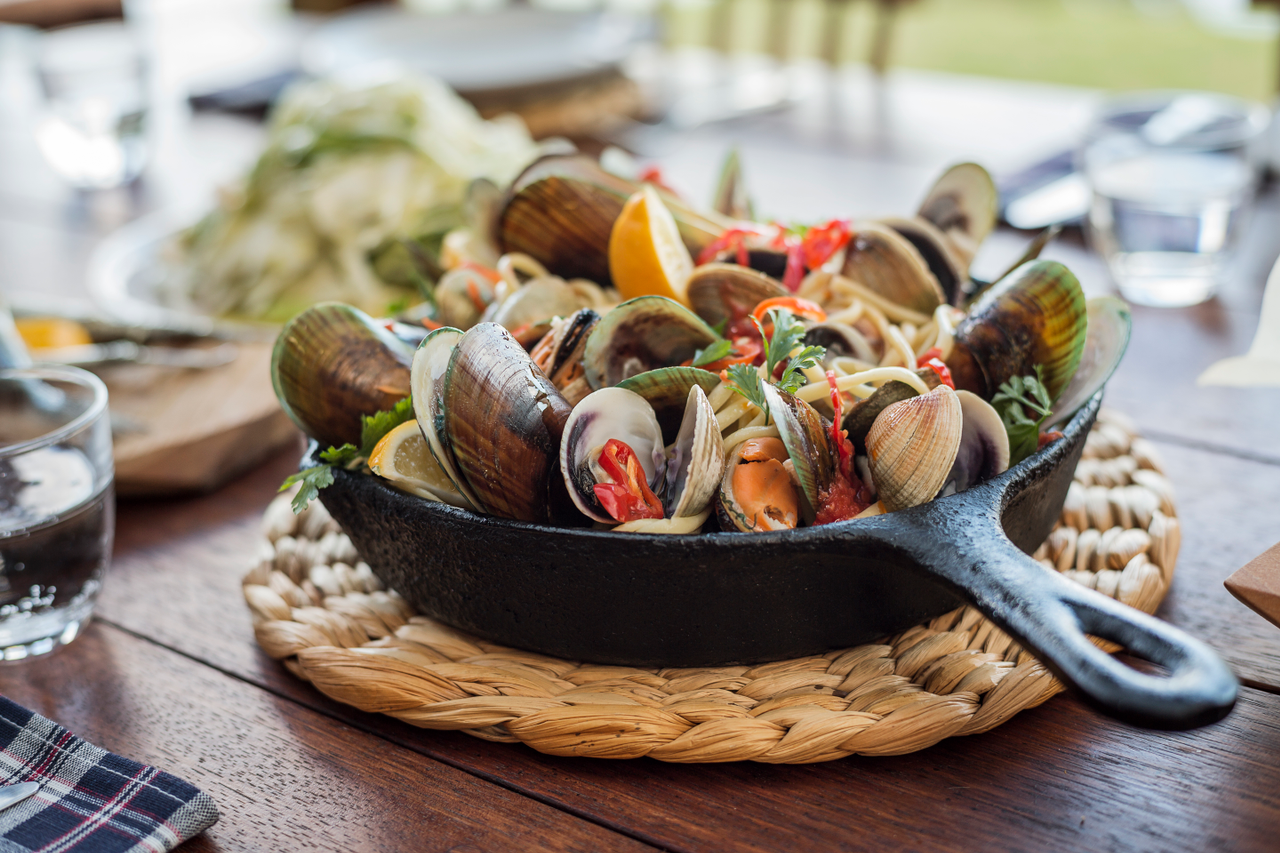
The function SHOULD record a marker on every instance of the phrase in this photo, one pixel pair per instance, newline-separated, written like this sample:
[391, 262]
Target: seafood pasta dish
[591, 350]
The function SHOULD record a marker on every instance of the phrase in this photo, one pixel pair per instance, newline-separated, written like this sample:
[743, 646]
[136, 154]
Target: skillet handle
[1050, 615]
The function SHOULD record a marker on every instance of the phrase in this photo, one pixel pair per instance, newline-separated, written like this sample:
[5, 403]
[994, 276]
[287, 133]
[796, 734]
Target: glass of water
[94, 80]
[1172, 176]
[57, 505]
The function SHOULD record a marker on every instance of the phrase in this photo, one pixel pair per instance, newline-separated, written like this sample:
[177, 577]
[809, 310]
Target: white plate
[476, 52]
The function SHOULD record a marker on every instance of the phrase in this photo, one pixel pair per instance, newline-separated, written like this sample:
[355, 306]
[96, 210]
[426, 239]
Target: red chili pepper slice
[939, 367]
[733, 238]
[628, 497]
[800, 307]
[837, 434]
[493, 275]
[823, 241]
[473, 293]
[793, 275]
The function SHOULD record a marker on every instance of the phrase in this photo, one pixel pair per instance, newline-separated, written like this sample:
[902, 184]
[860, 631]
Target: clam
[610, 413]
[667, 391]
[559, 354]
[695, 461]
[878, 258]
[808, 444]
[756, 491]
[463, 295]
[840, 340]
[430, 363]
[561, 210]
[984, 445]
[720, 292]
[503, 420]
[963, 205]
[936, 249]
[912, 446]
[862, 414]
[536, 301]
[642, 334]
[331, 365]
[1104, 346]
[1033, 316]
[760, 256]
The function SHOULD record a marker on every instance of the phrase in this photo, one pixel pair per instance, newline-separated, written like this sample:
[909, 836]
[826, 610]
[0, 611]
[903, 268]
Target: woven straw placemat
[321, 611]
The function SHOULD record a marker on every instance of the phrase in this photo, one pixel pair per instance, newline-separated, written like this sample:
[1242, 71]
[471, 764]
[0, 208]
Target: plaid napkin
[90, 800]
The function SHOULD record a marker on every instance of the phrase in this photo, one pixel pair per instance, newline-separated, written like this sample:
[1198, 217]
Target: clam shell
[721, 292]
[878, 258]
[667, 391]
[963, 204]
[862, 414]
[912, 446]
[952, 273]
[608, 413]
[426, 379]
[331, 365]
[536, 301]
[642, 334]
[696, 463]
[984, 445]
[1034, 316]
[503, 420]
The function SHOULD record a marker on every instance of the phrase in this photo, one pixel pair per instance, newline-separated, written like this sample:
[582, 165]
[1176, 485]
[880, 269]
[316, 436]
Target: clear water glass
[1172, 176]
[57, 505]
[94, 80]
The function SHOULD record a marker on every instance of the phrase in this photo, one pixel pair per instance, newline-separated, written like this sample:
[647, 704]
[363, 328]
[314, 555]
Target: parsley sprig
[1023, 403]
[788, 334]
[348, 456]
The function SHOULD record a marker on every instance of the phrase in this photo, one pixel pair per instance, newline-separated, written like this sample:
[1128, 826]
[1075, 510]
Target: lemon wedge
[403, 458]
[646, 254]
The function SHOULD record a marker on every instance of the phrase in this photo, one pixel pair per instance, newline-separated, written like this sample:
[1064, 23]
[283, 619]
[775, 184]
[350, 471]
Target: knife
[13, 794]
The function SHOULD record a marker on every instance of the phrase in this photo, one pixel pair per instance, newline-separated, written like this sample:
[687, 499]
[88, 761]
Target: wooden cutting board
[182, 430]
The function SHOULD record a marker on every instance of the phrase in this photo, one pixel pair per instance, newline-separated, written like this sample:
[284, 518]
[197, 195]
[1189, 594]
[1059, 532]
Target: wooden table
[168, 673]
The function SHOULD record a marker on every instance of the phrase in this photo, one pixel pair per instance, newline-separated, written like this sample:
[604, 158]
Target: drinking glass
[57, 505]
[1172, 175]
[94, 79]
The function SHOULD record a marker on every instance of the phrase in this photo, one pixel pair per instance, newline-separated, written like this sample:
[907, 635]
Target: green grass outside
[1107, 44]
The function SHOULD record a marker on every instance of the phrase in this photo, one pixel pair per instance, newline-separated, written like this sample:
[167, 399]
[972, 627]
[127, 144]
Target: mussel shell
[862, 414]
[1033, 316]
[1104, 346]
[642, 334]
[878, 258]
[331, 365]
[730, 514]
[667, 392]
[610, 413]
[568, 344]
[963, 204]
[984, 445]
[503, 419]
[696, 463]
[561, 210]
[430, 363]
[808, 443]
[934, 247]
[912, 446]
[727, 291]
[731, 198]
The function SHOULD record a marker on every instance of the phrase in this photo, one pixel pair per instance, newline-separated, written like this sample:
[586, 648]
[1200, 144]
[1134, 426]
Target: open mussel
[880, 259]
[808, 443]
[559, 354]
[503, 420]
[963, 204]
[1035, 316]
[561, 211]
[331, 365]
[756, 491]
[719, 292]
[642, 334]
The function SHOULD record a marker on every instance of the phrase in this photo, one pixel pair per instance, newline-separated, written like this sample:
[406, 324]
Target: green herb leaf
[747, 382]
[719, 328]
[793, 378]
[374, 427]
[312, 480]
[342, 456]
[714, 352]
[1023, 403]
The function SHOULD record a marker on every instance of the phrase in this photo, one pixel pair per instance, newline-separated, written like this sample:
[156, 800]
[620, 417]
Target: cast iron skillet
[698, 600]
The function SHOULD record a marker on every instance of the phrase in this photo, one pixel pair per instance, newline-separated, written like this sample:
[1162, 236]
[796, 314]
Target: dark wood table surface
[168, 672]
